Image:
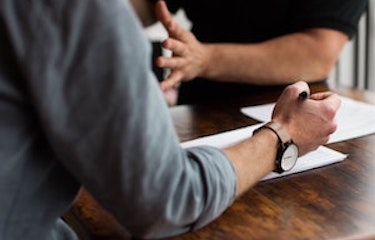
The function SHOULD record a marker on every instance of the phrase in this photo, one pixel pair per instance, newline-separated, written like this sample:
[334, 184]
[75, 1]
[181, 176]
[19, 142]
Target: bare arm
[309, 55]
[262, 148]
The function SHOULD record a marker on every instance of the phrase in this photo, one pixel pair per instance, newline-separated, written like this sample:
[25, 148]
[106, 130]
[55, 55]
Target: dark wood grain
[333, 202]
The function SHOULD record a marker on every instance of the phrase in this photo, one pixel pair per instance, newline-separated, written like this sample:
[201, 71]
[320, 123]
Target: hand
[188, 54]
[310, 121]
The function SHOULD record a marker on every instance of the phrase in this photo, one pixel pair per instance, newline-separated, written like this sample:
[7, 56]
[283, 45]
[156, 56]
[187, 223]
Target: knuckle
[329, 111]
[333, 128]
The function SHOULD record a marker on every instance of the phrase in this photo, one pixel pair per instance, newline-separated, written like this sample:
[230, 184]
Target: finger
[171, 81]
[331, 99]
[177, 47]
[172, 63]
[325, 140]
[162, 13]
[321, 95]
[166, 18]
[171, 95]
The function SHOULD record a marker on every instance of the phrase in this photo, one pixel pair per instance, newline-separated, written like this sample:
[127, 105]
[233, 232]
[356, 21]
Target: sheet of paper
[354, 118]
[321, 157]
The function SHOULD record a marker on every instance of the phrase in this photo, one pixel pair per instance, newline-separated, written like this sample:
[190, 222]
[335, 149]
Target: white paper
[321, 157]
[354, 118]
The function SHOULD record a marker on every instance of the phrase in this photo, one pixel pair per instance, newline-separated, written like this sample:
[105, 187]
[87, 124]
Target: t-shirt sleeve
[89, 78]
[335, 14]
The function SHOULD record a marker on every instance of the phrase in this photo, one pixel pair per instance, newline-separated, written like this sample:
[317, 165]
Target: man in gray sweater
[80, 106]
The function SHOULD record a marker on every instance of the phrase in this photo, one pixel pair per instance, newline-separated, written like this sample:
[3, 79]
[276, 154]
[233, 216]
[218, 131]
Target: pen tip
[303, 95]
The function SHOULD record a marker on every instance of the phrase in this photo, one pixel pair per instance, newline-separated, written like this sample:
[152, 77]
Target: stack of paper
[318, 158]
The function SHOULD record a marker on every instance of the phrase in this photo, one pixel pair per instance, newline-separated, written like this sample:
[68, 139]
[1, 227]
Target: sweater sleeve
[100, 107]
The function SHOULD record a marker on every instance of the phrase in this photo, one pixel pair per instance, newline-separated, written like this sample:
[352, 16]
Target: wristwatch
[287, 152]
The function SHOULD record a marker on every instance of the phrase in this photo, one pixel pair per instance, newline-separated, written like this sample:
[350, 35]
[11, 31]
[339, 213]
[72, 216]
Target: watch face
[289, 158]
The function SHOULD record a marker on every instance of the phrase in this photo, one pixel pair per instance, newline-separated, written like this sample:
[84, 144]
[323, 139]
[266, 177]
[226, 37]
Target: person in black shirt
[242, 45]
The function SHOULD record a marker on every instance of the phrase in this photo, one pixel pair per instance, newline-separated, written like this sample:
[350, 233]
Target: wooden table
[333, 202]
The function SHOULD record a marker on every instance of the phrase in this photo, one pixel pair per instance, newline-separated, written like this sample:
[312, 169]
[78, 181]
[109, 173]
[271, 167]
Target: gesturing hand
[188, 54]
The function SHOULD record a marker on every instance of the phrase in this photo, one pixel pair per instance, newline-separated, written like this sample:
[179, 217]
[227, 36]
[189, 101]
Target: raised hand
[188, 54]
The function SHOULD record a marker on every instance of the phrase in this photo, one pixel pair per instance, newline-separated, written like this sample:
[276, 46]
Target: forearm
[253, 159]
[305, 56]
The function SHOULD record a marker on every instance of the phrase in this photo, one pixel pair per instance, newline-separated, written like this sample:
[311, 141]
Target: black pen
[303, 96]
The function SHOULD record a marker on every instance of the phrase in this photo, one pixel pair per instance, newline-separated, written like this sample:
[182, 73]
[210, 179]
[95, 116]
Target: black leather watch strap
[284, 142]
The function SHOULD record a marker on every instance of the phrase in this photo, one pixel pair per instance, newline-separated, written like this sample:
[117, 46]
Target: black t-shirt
[246, 21]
